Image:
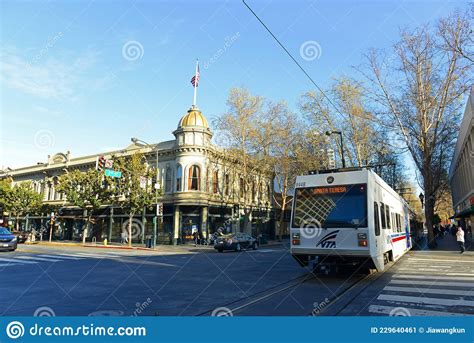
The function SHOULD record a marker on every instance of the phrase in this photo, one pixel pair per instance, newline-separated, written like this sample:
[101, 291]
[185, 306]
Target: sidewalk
[446, 243]
[117, 246]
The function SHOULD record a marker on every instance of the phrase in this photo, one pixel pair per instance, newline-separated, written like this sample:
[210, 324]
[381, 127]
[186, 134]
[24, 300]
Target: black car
[236, 242]
[7, 240]
[21, 236]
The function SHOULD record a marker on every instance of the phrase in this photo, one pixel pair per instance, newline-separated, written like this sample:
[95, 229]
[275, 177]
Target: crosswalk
[428, 287]
[16, 260]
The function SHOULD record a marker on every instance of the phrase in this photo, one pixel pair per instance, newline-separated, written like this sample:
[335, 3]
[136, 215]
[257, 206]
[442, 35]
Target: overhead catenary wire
[294, 60]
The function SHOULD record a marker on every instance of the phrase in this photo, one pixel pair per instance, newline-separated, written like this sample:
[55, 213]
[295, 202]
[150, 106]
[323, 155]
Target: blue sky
[86, 76]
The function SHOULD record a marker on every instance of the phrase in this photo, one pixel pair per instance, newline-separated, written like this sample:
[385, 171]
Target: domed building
[202, 191]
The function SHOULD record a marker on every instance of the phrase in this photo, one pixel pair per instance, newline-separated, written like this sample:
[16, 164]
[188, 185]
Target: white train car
[348, 217]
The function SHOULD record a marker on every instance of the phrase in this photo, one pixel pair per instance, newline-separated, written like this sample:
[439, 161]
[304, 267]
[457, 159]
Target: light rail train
[348, 217]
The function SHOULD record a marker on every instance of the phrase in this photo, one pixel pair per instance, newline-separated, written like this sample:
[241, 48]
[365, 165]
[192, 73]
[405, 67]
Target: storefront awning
[465, 213]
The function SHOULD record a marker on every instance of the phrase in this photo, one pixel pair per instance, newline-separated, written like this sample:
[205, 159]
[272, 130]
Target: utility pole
[329, 133]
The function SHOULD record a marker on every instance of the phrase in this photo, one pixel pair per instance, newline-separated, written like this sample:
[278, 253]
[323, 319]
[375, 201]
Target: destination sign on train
[330, 190]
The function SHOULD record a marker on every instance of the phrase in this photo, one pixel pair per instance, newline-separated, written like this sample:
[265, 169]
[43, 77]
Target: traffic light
[101, 163]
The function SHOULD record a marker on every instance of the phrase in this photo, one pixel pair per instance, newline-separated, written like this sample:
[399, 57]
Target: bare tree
[420, 95]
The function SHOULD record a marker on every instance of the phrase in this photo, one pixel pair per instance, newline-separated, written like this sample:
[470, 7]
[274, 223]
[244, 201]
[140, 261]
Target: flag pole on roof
[195, 81]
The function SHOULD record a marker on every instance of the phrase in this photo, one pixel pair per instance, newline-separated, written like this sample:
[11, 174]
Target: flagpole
[196, 82]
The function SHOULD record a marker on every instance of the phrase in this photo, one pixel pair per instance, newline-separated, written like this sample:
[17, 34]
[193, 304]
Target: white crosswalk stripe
[428, 287]
[36, 258]
[17, 260]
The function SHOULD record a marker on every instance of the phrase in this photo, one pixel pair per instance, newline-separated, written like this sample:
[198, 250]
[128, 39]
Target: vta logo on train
[328, 241]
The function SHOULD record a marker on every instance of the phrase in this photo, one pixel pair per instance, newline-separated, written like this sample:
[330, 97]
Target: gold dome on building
[194, 117]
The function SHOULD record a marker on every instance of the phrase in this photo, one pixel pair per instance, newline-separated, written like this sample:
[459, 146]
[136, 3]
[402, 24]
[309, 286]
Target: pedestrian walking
[460, 238]
[195, 238]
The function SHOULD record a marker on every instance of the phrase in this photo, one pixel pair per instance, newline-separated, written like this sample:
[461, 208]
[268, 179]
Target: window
[215, 182]
[376, 219]
[254, 192]
[227, 184]
[331, 207]
[179, 178]
[168, 180]
[387, 214]
[382, 214]
[241, 187]
[194, 178]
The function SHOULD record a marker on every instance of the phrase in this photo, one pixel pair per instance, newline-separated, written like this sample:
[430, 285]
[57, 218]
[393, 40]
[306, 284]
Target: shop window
[194, 178]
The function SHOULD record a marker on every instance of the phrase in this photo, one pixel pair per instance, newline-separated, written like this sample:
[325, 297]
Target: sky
[85, 76]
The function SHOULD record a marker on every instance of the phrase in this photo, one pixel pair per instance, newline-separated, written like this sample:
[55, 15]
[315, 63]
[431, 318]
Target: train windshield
[343, 206]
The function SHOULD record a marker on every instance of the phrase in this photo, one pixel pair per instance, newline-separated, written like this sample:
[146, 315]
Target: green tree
[19, 199]
[134, 190]
[87, 190]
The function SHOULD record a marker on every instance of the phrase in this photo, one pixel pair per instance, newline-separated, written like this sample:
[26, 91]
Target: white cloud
[53, 78]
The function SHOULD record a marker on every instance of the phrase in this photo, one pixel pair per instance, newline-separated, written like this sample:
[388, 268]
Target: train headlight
[362, 238]
[295, 238]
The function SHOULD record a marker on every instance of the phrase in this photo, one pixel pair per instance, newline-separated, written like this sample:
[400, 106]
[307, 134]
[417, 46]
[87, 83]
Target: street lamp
[422, 199]
[136, 140]
[329, 133]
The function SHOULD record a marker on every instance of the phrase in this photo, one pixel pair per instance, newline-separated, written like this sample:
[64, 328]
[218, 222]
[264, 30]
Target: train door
[407, 227]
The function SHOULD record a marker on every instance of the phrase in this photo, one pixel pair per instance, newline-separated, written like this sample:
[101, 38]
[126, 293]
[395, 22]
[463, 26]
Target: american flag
[195, 79]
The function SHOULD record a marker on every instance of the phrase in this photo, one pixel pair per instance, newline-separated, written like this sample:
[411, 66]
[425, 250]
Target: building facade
[461, 174]
[202, 190]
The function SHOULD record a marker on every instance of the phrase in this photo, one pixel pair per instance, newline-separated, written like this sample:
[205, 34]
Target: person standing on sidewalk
[196, 238]
[460, 238]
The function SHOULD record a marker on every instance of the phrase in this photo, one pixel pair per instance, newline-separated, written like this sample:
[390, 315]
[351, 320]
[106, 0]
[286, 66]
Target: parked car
[21, 236]
[236, 242]
[8, 241]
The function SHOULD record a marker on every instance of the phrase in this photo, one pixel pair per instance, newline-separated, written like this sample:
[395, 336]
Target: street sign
[113, 173]
[109, 164]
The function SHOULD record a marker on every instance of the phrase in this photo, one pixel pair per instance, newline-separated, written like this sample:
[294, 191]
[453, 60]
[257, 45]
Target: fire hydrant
[105, 241]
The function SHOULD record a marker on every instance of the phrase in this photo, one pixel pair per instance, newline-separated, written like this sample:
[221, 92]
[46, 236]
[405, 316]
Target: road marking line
[15, 261]
[438, 260]
[34, 258]
[465, 293]
[424, 300]
[413, 312]
[430, 276]
[67, 257]
[95, 255]
[431, 283]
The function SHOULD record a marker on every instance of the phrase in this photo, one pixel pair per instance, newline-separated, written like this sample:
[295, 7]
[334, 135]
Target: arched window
[254, 192]
[168, 180]
[179, 178]
[227, 184]
[194, 178]
[215, 182]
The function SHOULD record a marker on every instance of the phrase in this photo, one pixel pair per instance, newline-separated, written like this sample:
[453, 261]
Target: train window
[382, 213]
[399, 227]
[376, 219]
[387, 214]
[393, 221]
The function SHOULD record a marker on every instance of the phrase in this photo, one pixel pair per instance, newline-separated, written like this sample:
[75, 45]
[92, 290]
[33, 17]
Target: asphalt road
[87, 281]
[68, 281]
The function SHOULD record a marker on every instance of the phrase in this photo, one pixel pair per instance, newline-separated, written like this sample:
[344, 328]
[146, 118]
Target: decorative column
[176, 224]
[204, 221]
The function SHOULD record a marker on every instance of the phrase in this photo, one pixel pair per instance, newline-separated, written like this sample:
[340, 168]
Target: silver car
[8, 240]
